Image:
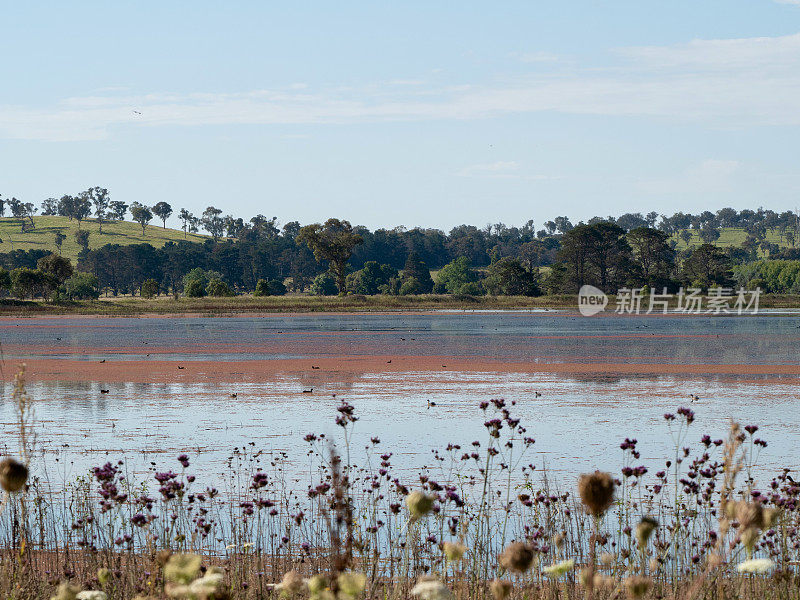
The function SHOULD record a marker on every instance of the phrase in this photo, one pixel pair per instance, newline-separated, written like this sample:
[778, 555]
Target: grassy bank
[164, 305]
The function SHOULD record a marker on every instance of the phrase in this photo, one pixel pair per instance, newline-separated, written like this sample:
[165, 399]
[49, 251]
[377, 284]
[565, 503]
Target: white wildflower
[755, 565]
[432, 590]
[92, 595]
[558, 569]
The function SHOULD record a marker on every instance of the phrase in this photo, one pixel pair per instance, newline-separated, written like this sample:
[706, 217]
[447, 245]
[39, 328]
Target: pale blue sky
[405, 113]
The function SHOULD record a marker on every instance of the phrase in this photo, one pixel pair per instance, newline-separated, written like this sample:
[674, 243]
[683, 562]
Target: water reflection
[578, 418]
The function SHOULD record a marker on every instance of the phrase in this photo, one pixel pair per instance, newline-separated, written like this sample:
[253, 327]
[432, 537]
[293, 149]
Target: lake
[205, 386]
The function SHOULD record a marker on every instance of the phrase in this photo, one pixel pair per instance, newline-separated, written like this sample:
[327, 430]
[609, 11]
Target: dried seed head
[749, 514]
[317, 584]
[453, 552]
[586, 578]
[182, 568]
[597, 492]
[292, 583]
[770, 517]
[103, 575]
[749, 538]
[607, 559]
[645, 529]
[419, 504]
[66, 591]
[517, 557]
[558, 540]
[500, 589]
[351, 584]
[13, 475]
[637, 586]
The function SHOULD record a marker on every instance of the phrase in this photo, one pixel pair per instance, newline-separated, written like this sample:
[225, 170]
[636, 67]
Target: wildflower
[351, 584]
[182, 568]
[755, 565]
[454, 552]
[66, 591]
[432, 589]
[597, 492]
[13, 475]
[419, 504]
[500, 589]
[637, 586]
[645, 529]
[517, 557]
[558, 569]
[91, 595]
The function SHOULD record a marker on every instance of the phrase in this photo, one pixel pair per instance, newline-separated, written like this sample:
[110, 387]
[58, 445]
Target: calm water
[578, 419]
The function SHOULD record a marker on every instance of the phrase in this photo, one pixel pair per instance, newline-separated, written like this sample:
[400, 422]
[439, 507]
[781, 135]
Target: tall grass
[482, 521]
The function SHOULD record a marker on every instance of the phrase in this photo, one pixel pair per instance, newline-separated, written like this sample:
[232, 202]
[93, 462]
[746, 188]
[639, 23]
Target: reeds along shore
[481, 522]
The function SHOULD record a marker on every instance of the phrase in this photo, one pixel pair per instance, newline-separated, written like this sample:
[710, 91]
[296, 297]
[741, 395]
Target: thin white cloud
[795, 2]
[719, 83]
[536, 57]
[709, 176]
[493, 169]
[502, 169]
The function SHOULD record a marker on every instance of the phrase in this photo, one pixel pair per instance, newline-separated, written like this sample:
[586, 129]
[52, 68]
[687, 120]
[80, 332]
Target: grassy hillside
[43, 237]
[730, 236]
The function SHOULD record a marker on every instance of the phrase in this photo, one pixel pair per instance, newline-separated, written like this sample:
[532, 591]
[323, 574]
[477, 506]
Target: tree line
[337, 257]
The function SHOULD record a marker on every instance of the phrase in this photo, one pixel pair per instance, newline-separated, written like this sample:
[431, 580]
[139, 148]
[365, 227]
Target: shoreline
[248, 305]
[318, 369]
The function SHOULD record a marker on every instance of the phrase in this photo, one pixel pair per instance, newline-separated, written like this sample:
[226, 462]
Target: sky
[415, 113]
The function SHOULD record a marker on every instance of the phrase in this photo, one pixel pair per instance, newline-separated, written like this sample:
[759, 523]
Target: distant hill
[122, 232]
[731, 236]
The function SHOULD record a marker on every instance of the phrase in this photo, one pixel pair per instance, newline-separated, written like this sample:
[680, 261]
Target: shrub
[276, 287]
[410, 286]
[507, 277]
[262, 288]
[324, 285]
[149, 288]
[471, 288]
[81, 286]
[456, 275]
[194, 289]
[29, 283]
[217, 287]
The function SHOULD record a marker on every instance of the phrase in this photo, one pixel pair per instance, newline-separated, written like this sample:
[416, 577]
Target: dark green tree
[655, 259]
[100, 198]
[162, 210]
[57, 266]
[333, 242]
[507, 277]
[141, 214]
[454, 277]
[707, 266]
[417, 269]
[213, 222]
